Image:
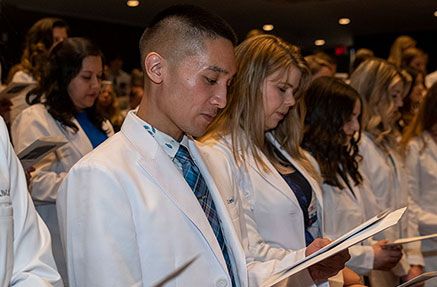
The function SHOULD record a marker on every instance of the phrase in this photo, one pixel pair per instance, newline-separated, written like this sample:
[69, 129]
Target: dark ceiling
[299, 21]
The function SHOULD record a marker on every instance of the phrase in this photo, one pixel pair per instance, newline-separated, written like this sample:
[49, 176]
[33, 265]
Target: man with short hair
[143, 204]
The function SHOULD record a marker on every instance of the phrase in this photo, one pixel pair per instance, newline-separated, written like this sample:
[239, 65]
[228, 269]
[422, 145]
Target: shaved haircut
[179, 31]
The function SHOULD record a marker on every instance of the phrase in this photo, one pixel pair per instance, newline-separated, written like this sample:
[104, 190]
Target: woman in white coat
[67, 110]
[419, 144]
[25, 253]
[381, 88]
[247, 168]
[332, 133]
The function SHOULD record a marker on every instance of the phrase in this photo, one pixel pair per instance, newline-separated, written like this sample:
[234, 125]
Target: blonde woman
[381, 88]
[419, 144]
[266, 182]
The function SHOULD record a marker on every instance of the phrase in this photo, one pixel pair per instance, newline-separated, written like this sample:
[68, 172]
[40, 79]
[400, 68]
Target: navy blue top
[94, 134]
[303, 192]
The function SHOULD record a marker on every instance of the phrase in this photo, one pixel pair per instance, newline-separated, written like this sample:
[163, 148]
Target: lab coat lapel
[230, 235]
[273, 177]
[432, 145]
[79, 140]
[314, 184]
[159, 166]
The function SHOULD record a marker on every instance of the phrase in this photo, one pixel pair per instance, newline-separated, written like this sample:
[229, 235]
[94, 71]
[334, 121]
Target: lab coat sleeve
[33, 260]
[426, 219]
[362, 258]
[370, 170]
[97, 229]
[262, 259]
[48, 174]
[414, 213]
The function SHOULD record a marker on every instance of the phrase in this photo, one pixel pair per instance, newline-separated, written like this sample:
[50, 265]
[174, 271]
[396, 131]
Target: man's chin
[197, 132]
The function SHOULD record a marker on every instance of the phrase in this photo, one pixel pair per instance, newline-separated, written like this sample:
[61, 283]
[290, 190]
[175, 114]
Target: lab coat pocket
[6, 242]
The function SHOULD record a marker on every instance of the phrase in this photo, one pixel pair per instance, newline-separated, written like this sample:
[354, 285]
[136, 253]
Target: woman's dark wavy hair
[330, 103]
[65, 62]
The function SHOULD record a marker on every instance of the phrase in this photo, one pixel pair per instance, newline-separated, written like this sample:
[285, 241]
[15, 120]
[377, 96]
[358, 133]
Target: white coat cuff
[362, 259]
[416, 260]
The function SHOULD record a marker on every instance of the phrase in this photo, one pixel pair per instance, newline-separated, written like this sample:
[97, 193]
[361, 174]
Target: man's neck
[155, 119]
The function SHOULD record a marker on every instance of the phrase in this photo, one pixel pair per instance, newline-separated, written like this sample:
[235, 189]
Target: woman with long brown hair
[331, 135]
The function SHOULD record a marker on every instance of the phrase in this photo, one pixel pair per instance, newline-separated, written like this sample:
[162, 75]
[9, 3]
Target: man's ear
[154, 65]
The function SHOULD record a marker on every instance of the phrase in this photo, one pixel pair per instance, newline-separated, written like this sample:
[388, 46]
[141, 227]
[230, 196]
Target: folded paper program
[356, 235]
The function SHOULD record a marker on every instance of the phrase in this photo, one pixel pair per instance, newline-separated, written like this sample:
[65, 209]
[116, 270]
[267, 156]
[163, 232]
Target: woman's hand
[328, 267]
[415, 270]
[385, 257]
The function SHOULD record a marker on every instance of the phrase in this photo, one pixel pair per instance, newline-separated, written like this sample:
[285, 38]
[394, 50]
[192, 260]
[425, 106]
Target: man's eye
[211, 81]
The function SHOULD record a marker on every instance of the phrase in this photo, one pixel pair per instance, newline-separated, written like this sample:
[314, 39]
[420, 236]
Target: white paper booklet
[419, 279]
[39, 149]
[15, 89]
[411, 239]
[358, 234]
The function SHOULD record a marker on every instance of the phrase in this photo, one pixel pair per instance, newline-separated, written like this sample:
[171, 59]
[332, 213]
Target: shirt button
[221, 283]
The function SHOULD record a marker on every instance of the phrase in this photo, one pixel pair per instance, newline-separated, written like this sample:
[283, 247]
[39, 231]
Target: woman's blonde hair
[372, 79]
[243, 118]
[398, 47]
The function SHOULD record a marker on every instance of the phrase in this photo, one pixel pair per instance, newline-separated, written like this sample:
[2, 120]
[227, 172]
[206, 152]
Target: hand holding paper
[39, 149]
[358, 234]
[385, 258]
[328, 267]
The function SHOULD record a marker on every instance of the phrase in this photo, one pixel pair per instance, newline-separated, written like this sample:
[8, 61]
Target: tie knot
[183, 155]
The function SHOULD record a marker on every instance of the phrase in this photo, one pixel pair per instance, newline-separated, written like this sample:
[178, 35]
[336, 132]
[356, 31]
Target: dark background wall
[120, 39]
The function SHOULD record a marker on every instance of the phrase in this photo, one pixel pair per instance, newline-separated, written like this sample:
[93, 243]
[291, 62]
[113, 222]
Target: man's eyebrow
[218, 69]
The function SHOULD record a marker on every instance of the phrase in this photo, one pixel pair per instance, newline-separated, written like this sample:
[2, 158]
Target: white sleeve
[424, 218]
[415, 213]
[33, 260]
[49, 172]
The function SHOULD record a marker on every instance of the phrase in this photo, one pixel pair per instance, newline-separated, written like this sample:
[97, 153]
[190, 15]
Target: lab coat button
[221, 283]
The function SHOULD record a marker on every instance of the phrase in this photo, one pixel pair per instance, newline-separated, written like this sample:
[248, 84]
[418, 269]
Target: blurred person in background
[398, 48]
[414, 58]
[419, 148]
[414, 94]
[108, 105]
[381, 87]
[39, 39]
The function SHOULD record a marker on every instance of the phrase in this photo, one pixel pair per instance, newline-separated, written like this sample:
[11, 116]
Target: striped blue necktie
[195, 180]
